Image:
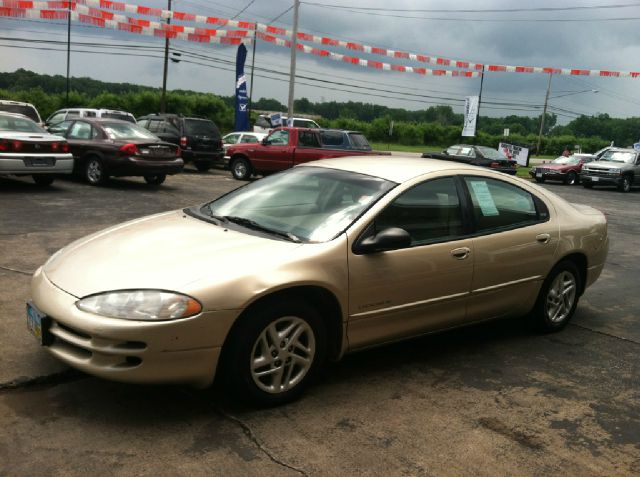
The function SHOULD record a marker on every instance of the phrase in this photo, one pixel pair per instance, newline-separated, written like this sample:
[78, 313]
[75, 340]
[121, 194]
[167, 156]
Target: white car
[28, 150]
[77, 113]
[26, 109]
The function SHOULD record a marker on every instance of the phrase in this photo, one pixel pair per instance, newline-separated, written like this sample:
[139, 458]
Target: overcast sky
[610, 41]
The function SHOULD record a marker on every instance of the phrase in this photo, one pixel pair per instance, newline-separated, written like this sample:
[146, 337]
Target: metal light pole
[253, 67]
[163, 98]
[544, 113]
[66, 103]
[294, 48]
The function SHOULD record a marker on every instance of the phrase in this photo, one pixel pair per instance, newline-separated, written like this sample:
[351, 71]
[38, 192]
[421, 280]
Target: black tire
[43, 180]
[155, 179]
[203, 167]
[550, 313]
[241, 168]
[282, 361]
[571, 178]
[625, 184]
[94, 172]
[587, 185]
[540, 179]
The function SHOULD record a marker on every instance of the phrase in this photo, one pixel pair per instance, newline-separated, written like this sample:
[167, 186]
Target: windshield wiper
[250, 224]
[205, 209]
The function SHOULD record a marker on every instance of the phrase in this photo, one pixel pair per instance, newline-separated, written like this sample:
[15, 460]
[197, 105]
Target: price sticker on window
[484, 198]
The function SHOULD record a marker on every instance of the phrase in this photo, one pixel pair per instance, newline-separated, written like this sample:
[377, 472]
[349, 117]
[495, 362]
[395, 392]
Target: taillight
[64, 147]
[129, 150]
[178, 151]
[183, 141]
[16, 145]
[494, 164]
[4, 145]
[55, 146]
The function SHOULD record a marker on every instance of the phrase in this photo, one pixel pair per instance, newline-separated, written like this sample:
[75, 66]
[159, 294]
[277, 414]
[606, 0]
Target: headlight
[145, 305]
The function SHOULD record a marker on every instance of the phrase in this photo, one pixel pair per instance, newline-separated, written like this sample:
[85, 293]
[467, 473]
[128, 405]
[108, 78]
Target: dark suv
[198, 138]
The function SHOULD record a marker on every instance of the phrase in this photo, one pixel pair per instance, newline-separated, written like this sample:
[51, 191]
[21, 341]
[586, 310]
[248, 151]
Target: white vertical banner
[470, 115]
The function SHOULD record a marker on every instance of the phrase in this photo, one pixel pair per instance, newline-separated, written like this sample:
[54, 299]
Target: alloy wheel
[561, 297]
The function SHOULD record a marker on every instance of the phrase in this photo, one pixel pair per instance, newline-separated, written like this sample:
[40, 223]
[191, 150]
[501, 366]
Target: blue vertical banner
[242, 100]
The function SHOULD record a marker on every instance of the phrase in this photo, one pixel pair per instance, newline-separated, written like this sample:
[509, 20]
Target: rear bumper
[23, 164]
[203, 157]
[506, 170]
[549, 175]
[132, 166]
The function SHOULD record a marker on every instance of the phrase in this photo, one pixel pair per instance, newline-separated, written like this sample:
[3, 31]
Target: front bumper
[178, 351]
[548, 175]
[590, 178]
[133, 166]
[29, 164]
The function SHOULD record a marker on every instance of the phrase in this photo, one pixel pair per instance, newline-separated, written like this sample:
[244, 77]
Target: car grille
[602, 172]
[98, 350]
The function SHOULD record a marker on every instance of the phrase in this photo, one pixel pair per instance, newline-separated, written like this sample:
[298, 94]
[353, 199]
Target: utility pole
[68, 50]
[294, 50]
[544, 113]
[479, 102]
[163, 98]
[253, 67]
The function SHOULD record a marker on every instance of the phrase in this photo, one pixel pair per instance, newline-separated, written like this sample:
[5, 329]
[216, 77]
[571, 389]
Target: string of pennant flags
[103, 13]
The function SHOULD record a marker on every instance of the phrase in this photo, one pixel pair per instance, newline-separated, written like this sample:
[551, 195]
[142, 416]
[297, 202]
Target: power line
[476, 10]
[243, 10]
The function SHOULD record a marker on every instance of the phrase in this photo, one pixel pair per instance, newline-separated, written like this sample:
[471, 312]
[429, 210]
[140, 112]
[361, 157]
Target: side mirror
[392, 238]
[445, 152]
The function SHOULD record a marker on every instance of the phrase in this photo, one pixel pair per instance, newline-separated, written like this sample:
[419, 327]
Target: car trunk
[202, 135]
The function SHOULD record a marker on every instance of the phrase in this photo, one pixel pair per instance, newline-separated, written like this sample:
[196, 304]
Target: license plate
[595, 179]
[38, 324]
[538, 174]
[40, 161]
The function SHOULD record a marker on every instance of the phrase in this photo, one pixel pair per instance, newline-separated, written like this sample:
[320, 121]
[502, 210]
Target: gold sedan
[272, 279]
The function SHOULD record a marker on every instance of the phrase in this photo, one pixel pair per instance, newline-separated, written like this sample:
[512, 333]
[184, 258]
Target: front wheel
[43, 180]
[558, 297]
[155, 179]
[571, 178]
[241, 169]
[94, 172]
[274, 352]
[625, 184]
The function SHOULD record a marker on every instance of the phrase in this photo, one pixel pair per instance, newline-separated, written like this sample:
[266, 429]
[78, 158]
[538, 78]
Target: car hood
[166, 251]
[606, 165]
[30, 136]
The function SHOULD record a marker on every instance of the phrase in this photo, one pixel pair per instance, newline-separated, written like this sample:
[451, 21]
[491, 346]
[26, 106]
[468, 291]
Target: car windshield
[127, 131]
[28, 111]
[619, 156]
[492, 154]
[14, 123]
[201, 127]
[121, 116]
[566, 160]
[310, 204]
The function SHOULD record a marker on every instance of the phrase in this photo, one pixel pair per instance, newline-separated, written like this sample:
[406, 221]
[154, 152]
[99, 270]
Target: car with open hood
[274, 278]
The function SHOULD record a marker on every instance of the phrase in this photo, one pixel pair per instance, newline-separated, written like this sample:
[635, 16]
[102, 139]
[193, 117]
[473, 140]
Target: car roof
[622, 149]
[101, 120]
[18, 103]
[393, 168]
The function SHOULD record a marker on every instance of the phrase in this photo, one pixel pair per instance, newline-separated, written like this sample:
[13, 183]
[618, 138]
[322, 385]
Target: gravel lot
[490, 400]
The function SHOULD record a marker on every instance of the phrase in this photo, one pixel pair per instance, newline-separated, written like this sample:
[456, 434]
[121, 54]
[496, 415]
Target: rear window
[28, 111]
[201, 127]
[11, 123]
[358, 141]
[333, 139]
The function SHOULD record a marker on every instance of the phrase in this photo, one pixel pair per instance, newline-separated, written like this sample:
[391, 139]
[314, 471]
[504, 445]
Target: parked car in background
[198, 138]
[287, 147]
[477, 156]
[110, 147]
[27, 149]
[265, 284]
[264, 123]
[73, 113]
[240, 138]
[564, 169]
[618, 167]
[26, 109]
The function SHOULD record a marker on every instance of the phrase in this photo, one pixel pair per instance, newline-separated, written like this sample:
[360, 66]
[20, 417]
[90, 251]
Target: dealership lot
[491, 399]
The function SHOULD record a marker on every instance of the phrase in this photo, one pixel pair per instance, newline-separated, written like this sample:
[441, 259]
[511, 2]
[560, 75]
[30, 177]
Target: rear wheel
[155, 179]
[625, 184]
[558, 297]
[43, 180]
[203, 167]
[94, 171]
[241, 169]
[540, 179]
[571, 178]
[274, 352]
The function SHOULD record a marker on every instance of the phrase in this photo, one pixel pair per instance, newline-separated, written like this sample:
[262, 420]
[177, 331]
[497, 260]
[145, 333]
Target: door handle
[543, 238]
[460, 253]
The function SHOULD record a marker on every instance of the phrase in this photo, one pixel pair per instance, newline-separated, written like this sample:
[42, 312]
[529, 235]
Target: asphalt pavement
[495, 399]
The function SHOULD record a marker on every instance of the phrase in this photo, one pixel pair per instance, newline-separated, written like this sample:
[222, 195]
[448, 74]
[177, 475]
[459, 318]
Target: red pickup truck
[287, 147]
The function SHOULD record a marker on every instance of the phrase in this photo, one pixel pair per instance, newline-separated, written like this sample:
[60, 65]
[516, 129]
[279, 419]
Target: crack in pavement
[251, 436]
[49, 380]
[15, 270]
[604, 333]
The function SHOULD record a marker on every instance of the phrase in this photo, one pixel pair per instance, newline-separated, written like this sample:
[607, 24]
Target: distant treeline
[436, 125]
